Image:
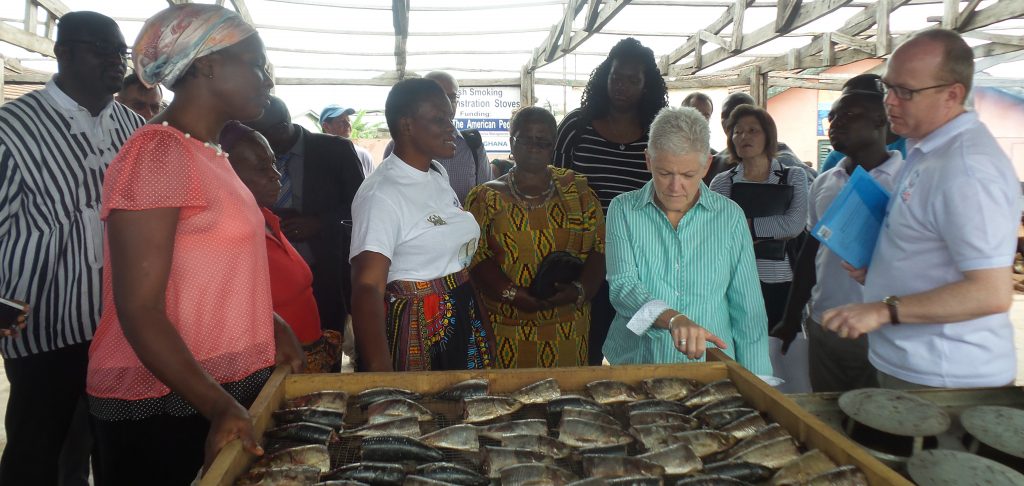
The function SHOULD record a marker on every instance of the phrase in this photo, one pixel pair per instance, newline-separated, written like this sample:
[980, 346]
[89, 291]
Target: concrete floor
[1016, 314]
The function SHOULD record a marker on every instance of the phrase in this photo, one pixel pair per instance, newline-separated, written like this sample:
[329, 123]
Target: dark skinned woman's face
[626, 84]
[241, 79]
[430, 130]
[533, 144]
[253, 161]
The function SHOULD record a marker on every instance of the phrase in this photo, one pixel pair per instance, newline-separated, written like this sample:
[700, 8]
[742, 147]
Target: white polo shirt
[955, 209]
[414, 218]
[834, 286]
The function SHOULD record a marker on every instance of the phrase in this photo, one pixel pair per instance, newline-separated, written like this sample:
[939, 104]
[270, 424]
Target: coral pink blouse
[218, 290]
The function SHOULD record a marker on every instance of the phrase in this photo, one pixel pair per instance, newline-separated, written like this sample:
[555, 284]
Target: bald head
[955, 59]
[449, 85]
[276, 125]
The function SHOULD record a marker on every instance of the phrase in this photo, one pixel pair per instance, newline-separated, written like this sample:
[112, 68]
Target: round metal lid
[1001, 428]
[894, 412]
[940, 467]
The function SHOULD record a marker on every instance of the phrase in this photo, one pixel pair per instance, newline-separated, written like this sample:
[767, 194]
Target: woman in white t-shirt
[413, 307]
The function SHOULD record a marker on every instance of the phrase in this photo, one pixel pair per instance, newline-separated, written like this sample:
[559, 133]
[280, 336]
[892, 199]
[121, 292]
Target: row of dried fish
[681, 427]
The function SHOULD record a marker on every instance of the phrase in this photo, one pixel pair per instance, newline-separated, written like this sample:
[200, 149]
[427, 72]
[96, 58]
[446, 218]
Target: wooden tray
[811, 432]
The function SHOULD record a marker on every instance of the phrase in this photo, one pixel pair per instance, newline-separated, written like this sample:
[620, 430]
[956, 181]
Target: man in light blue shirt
[938, 287]
[681, 260]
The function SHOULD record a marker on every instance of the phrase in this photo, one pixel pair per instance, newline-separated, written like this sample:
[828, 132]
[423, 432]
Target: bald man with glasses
[938, 289]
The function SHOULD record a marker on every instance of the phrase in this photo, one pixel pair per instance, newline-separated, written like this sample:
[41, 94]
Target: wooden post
[828, 52]
[30, 16]
[758, 88]
[526, 83]
[950, 13]
[737, 26]
[400, 19]
[883, 41]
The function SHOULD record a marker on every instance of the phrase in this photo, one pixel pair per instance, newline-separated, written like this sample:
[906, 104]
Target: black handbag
[557, 267]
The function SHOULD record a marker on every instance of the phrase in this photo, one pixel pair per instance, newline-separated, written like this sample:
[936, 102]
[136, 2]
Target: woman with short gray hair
[680, 260]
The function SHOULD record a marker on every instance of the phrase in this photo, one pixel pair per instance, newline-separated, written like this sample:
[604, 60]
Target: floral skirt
[436, 325]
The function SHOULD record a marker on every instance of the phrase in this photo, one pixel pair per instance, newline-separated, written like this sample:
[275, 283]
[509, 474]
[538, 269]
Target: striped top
[786, 225]
[53, 155]
[611, 168]
[704, 269]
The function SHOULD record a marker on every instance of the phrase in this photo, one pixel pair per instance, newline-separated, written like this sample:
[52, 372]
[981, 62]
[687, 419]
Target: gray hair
[680, 131]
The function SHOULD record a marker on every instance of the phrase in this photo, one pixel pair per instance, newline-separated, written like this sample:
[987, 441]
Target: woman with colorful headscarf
[188, 336]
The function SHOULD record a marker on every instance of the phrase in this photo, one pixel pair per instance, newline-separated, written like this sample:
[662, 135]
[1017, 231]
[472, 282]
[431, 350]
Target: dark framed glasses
[101, 48]
[533, 142]
[906, 94]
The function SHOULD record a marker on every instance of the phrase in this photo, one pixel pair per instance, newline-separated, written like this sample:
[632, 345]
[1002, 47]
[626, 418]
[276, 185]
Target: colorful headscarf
[173, 38]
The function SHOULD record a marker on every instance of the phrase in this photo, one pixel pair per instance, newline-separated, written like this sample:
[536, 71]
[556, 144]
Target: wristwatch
[509, 294]
[581, 293]
[893, 303]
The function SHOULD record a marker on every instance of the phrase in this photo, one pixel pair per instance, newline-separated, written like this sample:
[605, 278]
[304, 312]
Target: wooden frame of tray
[808, 429]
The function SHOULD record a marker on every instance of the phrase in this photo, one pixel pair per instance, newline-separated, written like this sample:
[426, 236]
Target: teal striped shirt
[704, 269]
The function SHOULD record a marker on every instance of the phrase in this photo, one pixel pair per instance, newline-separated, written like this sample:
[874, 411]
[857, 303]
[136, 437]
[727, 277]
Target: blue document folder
[851, 224]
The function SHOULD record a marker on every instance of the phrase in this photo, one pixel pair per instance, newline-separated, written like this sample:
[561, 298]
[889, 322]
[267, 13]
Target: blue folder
[851, 224]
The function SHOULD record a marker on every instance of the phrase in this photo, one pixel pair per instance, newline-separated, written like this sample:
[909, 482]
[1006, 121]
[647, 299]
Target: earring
[209, 76]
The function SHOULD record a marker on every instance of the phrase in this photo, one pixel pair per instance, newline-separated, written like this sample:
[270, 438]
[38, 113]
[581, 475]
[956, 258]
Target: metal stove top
[953, 402]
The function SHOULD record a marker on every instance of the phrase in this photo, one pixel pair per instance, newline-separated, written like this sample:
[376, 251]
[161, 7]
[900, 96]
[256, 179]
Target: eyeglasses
[102, 48]
[905, 94]
[453, 97]
[533, 142]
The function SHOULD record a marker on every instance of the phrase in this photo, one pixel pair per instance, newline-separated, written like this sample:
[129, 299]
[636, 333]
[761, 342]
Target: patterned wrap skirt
[436, 325]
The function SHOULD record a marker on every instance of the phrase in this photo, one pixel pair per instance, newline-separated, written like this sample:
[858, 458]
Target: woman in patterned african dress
[524, 215]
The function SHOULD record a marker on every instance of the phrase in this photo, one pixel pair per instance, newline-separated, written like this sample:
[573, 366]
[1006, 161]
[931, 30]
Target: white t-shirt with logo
[414, 218]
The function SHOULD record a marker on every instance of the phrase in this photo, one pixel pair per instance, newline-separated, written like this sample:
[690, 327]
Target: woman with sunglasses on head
[413, 307]
[188, 336]
[604, 140]
[526, 216]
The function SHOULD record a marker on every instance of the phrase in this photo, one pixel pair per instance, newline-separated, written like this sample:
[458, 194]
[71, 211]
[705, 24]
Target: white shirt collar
[81, 119]
[890, 167]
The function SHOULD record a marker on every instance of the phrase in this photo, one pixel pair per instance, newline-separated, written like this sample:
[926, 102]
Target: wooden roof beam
[606, 14]
[805, 56]
[997, 59]
[785, 14]
[243, 10]
[55, 8]
[30, 41]
[691, 44]
[561, 33]
[737, 26]
[997, 38]
[593, 8]
[808, 13]
[967, 12]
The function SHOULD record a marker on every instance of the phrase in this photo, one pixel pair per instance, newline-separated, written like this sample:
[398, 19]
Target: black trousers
[775, 295]
[329, 294]
[45, 391]
[161, 450]
[601, 315]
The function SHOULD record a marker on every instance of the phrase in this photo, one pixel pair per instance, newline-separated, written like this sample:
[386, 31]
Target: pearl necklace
[215, 146]
[539, 199]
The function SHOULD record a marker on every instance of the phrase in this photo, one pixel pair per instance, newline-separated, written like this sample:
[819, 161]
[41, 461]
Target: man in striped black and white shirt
[55, 145]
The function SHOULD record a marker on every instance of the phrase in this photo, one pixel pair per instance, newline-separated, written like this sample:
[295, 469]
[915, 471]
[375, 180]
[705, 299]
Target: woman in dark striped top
[605, 140]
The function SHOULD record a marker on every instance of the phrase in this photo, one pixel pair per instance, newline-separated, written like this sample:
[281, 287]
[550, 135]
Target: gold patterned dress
[518, 237]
